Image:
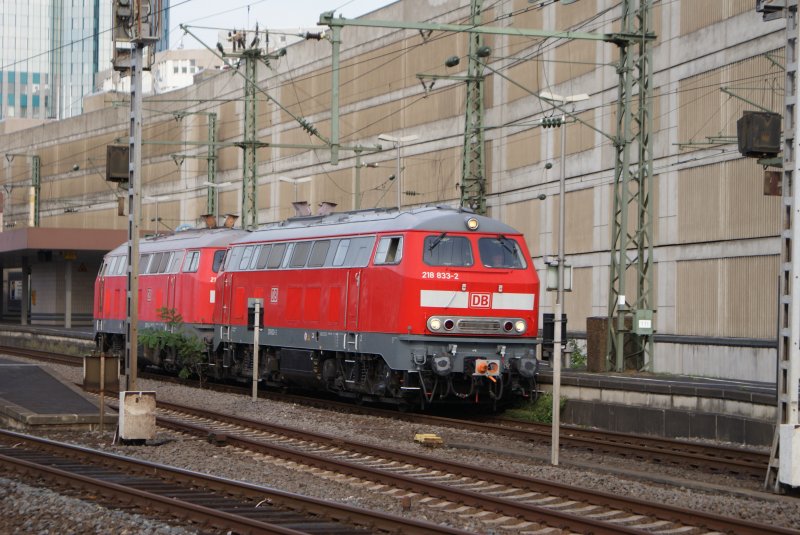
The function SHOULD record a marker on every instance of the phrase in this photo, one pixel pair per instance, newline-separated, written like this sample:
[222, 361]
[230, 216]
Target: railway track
[516, 504]
[202, 500]
[737, 462]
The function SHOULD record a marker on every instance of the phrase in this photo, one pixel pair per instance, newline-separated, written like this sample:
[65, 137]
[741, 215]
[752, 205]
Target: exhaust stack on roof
[326, 208]
[210, 220]
[230, 220]
[301, 208]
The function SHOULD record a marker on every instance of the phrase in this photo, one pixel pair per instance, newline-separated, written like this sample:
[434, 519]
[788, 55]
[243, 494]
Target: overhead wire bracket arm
[327, 18]
[301, 121]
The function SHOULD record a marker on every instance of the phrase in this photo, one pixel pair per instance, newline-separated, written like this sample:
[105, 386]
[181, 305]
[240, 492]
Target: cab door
[227, 297]
[171, 303]
[353, 298]
[100, 291]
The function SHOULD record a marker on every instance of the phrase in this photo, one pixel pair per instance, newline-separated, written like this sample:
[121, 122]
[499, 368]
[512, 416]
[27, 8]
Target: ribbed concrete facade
[715, 233]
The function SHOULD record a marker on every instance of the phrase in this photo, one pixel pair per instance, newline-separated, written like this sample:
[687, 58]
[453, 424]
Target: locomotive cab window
[107, 266]
[390, 250]
[501, 252]
[122, 265]
[219, 256]
[444, 250]
[191, 261]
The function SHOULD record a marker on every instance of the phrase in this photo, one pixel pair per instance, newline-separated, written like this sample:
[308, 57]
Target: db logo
[477, 300]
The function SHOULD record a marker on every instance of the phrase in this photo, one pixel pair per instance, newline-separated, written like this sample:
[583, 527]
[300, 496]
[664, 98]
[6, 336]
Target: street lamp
[558, 312]
[398, 143]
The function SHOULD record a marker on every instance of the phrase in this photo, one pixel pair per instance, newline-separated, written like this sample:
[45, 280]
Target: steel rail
[373, 520]
[500, 505]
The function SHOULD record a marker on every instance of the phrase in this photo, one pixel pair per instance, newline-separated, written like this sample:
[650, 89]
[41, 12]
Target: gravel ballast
[678, 487]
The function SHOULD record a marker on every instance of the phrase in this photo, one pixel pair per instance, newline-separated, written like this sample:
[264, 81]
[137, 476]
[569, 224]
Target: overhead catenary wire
[411, 104]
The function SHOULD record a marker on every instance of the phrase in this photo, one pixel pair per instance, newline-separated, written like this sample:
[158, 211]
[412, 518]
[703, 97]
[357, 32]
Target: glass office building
[50, 52]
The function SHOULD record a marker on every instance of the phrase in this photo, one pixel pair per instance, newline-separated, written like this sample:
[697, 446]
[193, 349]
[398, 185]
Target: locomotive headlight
[434, 324]
[472, 223]
[520, 326]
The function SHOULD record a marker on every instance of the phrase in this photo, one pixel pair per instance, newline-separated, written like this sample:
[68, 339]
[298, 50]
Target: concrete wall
[715, 234]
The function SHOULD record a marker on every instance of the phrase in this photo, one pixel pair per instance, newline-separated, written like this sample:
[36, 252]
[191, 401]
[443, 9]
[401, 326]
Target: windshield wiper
[437, 241]
[504, 242]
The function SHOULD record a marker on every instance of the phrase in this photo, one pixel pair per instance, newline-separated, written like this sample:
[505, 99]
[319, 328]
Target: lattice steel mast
[473, 168]
[632, 187]
[783, 464]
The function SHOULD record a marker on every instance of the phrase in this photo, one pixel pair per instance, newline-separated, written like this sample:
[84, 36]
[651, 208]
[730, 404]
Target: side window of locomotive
[318, 253]
[501, 252]
[143, 261]
[390, 250]
[359, 252]
[191, 261]
[219, 256]
[109, 267]
[246, 256]
[256, 253]
[122, 265]
[166, 258]
[443, 250]
[175, 263]
[287, 256]
[276, 256]
[155, 261]
[300, 254]
[263, 256]
[341, 253]
[235, 257]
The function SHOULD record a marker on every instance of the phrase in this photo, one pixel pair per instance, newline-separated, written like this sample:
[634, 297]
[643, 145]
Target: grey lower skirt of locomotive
[410, 371]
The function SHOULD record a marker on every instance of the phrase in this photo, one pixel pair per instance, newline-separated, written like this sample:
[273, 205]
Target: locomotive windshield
[501, 252]
[444, 250]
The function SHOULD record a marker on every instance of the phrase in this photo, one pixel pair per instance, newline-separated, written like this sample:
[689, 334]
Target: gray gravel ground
[679, 487]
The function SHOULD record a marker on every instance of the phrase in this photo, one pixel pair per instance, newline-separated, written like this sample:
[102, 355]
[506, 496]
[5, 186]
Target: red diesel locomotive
[415, 308]
[176, 271]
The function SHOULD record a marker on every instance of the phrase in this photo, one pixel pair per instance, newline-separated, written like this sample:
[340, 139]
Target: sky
[213, 15]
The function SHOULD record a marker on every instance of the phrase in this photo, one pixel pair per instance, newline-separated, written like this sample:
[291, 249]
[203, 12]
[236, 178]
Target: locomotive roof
[430, 218]
[186, 239]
